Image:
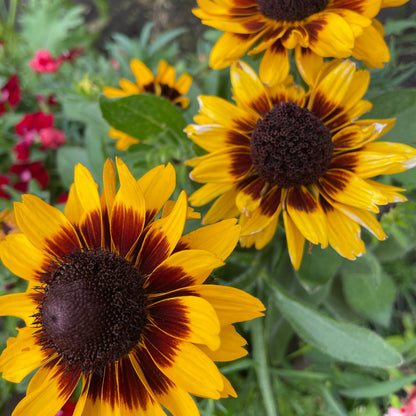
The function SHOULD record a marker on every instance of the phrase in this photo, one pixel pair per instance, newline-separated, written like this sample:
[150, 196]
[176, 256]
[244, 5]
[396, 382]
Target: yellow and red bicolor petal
[288, 92]
[248, 90]
[73, 208]
[22, 258]
[367, 8]
[142, 73]
[308, 63]
[347, 188]
[227, 165]
[305, 211]
[157, 186]
[350, 137]
[174, 398]
[295, 241]
[223, 208]
[186, 318]
[392, 3]
[46, 227]
[231, 347]
[208, 238]
[21, 305]
[355, 20]
[181, 269]
[249, 197]
[329, 35]
[270, 206]
[231, 304]
[375, 128]
[230, 47]
[183, 363]
[344, 234]
[21, 356]
[162, 236]
[274, 66]
[89, 225]
[111, 92]
[49, 389]
[371, 48]
[128, 212]
[226, 114]
[212, 137]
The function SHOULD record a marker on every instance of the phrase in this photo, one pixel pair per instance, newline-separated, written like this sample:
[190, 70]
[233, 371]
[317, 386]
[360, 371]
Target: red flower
[28, 171]
[51, 138]
[22, 149]
[44, 62]
[32, 123]
[4, 180]
[71, 54]
[10, 94]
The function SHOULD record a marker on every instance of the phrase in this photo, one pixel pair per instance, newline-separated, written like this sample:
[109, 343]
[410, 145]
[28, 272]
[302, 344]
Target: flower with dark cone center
[92, 311]
[290, 10]
[290, 146]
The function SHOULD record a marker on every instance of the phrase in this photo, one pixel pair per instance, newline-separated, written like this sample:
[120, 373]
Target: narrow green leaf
[143, 116]
[344, 342]
[383, 388]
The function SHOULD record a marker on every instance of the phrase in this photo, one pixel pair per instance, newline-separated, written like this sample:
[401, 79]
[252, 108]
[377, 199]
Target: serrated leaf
[143, 116]
[342, 341]
[374, 302]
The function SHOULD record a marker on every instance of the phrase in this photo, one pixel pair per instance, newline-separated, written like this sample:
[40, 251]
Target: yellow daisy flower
[313, 28]
[116, 300]
[305, 155]
[164, 84]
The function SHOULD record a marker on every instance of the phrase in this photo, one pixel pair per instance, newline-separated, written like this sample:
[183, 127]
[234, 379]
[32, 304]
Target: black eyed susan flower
[313, 28]
[164, 84]
[305, 155]
[116, 301]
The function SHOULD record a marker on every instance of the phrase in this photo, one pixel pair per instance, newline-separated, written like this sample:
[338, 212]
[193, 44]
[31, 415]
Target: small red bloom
[4, 180]
[10, 94]
[51, 138]
[28, 171]
[33, 122]
[44, 62]
[22, 149]
[71, 54]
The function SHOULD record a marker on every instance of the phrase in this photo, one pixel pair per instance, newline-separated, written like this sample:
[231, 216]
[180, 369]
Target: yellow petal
[231, 304]
[142, 73]
[46, 227]
[21, 356]
[295, 241]
[178, 402]
[308, 64]
[18, 304]
[22, 258]
[223, 208]
[207, 193]
[274, 67]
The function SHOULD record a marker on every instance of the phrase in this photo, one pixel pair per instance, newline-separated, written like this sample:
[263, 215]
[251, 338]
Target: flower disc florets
[92, 312]
[290, 146]
[290, 10]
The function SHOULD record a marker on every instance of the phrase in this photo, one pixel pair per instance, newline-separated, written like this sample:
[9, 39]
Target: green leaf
[67, 158]
[143, 116]
[369, 300]
[383, 388]
[344, 342]
[318, 267]
[364, 267]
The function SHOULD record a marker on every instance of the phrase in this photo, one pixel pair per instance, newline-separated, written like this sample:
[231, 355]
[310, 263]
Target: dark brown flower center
[290, 146]
[92, 312]
[290, 10]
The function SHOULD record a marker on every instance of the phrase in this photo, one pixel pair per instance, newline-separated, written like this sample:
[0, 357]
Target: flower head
[10, 94]
[44, 62]
[116, 300]
[51, 138]
[280, 149]
[313, 28]
[164, 84]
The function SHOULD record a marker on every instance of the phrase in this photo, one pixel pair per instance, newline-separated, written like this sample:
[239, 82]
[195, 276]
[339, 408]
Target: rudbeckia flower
[116, 301]
[313, 28]
[280, 149]
[164, 84]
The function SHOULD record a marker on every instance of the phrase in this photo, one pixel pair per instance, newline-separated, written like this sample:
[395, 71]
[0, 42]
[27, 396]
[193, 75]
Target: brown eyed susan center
[92, 312]
[290, 10]
[290, 146]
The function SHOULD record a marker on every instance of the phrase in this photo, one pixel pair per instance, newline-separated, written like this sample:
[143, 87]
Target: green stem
[12, 13]
[262, 370]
